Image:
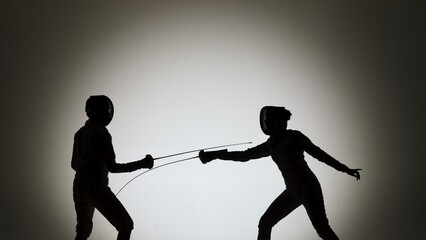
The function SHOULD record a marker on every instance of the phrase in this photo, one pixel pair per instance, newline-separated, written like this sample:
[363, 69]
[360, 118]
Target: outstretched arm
[324, 157]
[147, 162]
[239, 156]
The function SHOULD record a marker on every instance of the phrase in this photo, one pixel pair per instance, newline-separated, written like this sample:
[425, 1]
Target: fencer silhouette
[93, 158]
[286, 148]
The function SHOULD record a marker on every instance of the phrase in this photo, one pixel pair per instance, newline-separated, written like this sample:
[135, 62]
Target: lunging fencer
[286, 148]
[93, 158]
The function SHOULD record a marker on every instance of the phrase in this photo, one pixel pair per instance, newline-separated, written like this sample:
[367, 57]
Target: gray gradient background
[193, 74]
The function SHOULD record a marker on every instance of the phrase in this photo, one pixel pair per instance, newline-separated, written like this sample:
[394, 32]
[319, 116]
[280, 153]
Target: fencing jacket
[93, 155]
[287, 151]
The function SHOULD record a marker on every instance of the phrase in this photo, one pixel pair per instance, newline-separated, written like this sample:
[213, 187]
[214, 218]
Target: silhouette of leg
[283, 205]
[124, 235]
[111, 208]
[84, 210]
[313, 202]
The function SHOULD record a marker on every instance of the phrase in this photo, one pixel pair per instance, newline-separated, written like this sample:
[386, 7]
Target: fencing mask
[100, 109]
[268, 113]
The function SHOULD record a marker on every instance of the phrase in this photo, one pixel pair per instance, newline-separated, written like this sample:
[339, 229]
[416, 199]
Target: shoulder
[80, 132]
[298, 135]
[95, 131]
[101, 132]
[295, 133]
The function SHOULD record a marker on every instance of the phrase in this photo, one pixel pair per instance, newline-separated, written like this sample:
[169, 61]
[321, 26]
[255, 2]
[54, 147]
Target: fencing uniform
[302, 186]
[93, 157]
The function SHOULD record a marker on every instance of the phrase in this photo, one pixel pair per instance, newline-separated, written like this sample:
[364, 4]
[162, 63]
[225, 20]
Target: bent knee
[265, 224]
[125, 226]
[129, 224]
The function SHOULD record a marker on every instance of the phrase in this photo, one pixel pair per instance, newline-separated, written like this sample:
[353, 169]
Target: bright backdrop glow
[187, 76]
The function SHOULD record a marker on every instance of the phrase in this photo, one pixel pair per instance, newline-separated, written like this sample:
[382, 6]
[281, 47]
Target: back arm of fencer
[76, 158]
[321, 155]
[256, 152]
[79, 152]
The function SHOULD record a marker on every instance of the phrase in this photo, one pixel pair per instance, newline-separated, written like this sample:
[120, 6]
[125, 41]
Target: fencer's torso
[92, 149]
[287, 151]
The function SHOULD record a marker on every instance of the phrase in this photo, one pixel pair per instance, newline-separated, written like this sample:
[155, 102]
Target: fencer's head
[99, 109]
[273, 119]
